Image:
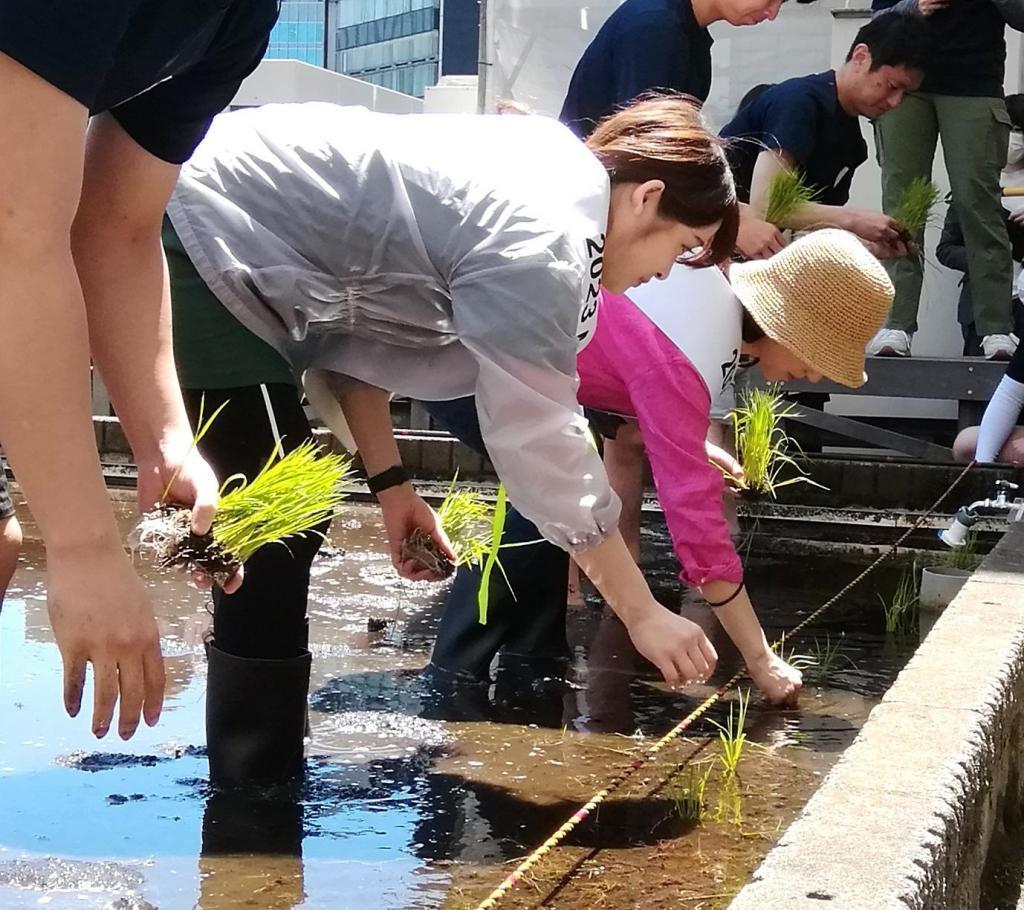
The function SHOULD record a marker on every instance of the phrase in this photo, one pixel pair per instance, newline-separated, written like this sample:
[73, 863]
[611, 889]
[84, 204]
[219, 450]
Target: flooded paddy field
[418, 800]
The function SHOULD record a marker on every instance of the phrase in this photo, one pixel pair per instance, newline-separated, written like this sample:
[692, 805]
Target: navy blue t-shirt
[163, 68]
[644, 45]
[800, 116]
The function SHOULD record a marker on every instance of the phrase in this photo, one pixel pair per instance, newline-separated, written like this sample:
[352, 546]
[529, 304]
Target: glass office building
[391, 43]
[396, 44]
[299, 32]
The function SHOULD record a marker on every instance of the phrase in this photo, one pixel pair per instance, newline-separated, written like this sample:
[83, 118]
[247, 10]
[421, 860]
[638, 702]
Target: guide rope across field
[645, 758]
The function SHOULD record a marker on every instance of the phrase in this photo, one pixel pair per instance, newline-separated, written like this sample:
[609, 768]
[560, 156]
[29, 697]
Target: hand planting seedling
[292, 494]
[787, 193]
[466, 518]
[912, 214]
[474, 528]
[762, 443]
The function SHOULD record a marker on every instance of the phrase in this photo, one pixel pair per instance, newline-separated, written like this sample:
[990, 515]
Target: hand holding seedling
[405, 512]
[758, 239]
[725, 463]
[182, 477]
[876, 227]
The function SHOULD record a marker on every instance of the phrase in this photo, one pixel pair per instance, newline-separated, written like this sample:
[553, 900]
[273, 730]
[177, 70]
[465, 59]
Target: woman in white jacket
[436, 257]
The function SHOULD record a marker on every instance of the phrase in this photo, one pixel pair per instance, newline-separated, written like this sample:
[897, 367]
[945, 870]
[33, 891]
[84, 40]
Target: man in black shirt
[651, 45]
[811, 124]
[961, 101]
[99, 104]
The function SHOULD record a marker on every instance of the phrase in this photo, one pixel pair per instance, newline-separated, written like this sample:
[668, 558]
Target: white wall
[286, 81]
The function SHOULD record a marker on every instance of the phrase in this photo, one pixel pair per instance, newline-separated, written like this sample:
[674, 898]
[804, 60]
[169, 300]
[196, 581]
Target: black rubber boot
[529, 618]
[255, 718]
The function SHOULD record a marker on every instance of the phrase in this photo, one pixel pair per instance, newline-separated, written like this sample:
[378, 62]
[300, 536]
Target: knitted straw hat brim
[823, 298]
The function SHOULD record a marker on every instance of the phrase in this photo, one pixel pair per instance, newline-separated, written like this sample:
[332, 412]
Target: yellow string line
[645, 758]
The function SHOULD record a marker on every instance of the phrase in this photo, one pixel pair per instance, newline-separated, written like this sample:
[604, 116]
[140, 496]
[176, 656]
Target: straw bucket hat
[823, 297]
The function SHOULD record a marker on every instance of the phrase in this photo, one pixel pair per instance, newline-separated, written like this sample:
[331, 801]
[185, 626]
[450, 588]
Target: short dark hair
[895, 39]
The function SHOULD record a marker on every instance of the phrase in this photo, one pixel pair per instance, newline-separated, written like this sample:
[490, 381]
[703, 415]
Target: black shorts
[164, 68]
[6, 506]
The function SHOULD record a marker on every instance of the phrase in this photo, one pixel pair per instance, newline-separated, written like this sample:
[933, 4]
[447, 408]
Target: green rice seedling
[902, 608]
[965, 556]
[915, 208]
[732, 737]
[491, 560]
[799, 661]
[292, 494]
[730, 802]
[786, 194]
[465, 517]
[828, 657]
[689, 797]
[763, 444]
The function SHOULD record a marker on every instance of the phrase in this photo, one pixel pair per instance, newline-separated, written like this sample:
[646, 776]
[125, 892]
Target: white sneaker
[998, 347]
[891, 343]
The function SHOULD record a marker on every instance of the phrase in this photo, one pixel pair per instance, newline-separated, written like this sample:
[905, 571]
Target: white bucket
[939, 585]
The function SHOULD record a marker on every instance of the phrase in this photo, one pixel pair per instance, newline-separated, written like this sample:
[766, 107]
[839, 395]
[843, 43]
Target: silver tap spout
[956, 534]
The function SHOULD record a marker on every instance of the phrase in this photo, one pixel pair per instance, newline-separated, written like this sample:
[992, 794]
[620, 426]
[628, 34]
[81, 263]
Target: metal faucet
[956, 534]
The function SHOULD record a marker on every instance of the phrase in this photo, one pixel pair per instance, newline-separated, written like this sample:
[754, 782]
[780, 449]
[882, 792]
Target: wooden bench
[969, 381]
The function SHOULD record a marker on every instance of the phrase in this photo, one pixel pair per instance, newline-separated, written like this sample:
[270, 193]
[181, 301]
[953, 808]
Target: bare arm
[368, 416]
[97, 605]
[116, 244]
[868, 225]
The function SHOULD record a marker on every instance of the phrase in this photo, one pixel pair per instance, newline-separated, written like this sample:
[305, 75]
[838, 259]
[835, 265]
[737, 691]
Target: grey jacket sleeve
[516, 310]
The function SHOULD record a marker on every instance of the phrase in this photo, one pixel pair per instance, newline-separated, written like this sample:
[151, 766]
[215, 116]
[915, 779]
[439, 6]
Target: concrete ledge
[931, 790]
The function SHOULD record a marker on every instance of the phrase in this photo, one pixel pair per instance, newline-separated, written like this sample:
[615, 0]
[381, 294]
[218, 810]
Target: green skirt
[212, 349]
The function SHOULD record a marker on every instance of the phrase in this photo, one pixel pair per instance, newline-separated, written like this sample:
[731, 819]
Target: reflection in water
[417, 793]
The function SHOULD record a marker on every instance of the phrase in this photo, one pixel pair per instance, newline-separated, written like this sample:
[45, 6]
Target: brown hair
[663, 137]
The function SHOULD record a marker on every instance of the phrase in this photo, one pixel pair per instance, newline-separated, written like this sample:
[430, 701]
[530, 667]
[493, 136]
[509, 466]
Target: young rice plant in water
[901, 609]
[787, 193]
[762, 443]
[732, 737]
[292, 494]
[689, 797]
[965, 556]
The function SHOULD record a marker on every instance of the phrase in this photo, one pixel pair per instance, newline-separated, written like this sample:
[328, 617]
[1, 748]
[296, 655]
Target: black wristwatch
[392, 477]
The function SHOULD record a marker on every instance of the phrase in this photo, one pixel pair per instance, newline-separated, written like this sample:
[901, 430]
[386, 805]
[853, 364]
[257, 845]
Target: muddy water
[413, 801]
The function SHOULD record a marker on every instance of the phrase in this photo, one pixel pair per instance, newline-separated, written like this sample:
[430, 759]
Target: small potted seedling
[787, 193]
[913, 212]
[292, 494]
[763, 445]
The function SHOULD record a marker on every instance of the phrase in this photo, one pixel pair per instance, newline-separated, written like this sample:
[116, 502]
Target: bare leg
[10, 547]
[624, 460]
[1012, 452]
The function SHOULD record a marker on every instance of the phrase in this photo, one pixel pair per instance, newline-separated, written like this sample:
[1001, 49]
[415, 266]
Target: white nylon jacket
[433, 256]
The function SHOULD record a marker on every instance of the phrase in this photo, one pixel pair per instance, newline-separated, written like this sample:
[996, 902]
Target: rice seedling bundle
[466, 518]
[291, 495]
[787, 193]
[762, 443]
[915, 208]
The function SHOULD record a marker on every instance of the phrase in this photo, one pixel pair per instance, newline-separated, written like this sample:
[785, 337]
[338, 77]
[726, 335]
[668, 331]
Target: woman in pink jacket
[661, 356]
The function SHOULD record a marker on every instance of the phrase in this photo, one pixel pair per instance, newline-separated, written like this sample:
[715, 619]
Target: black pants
[526, 621]
[266, 617]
